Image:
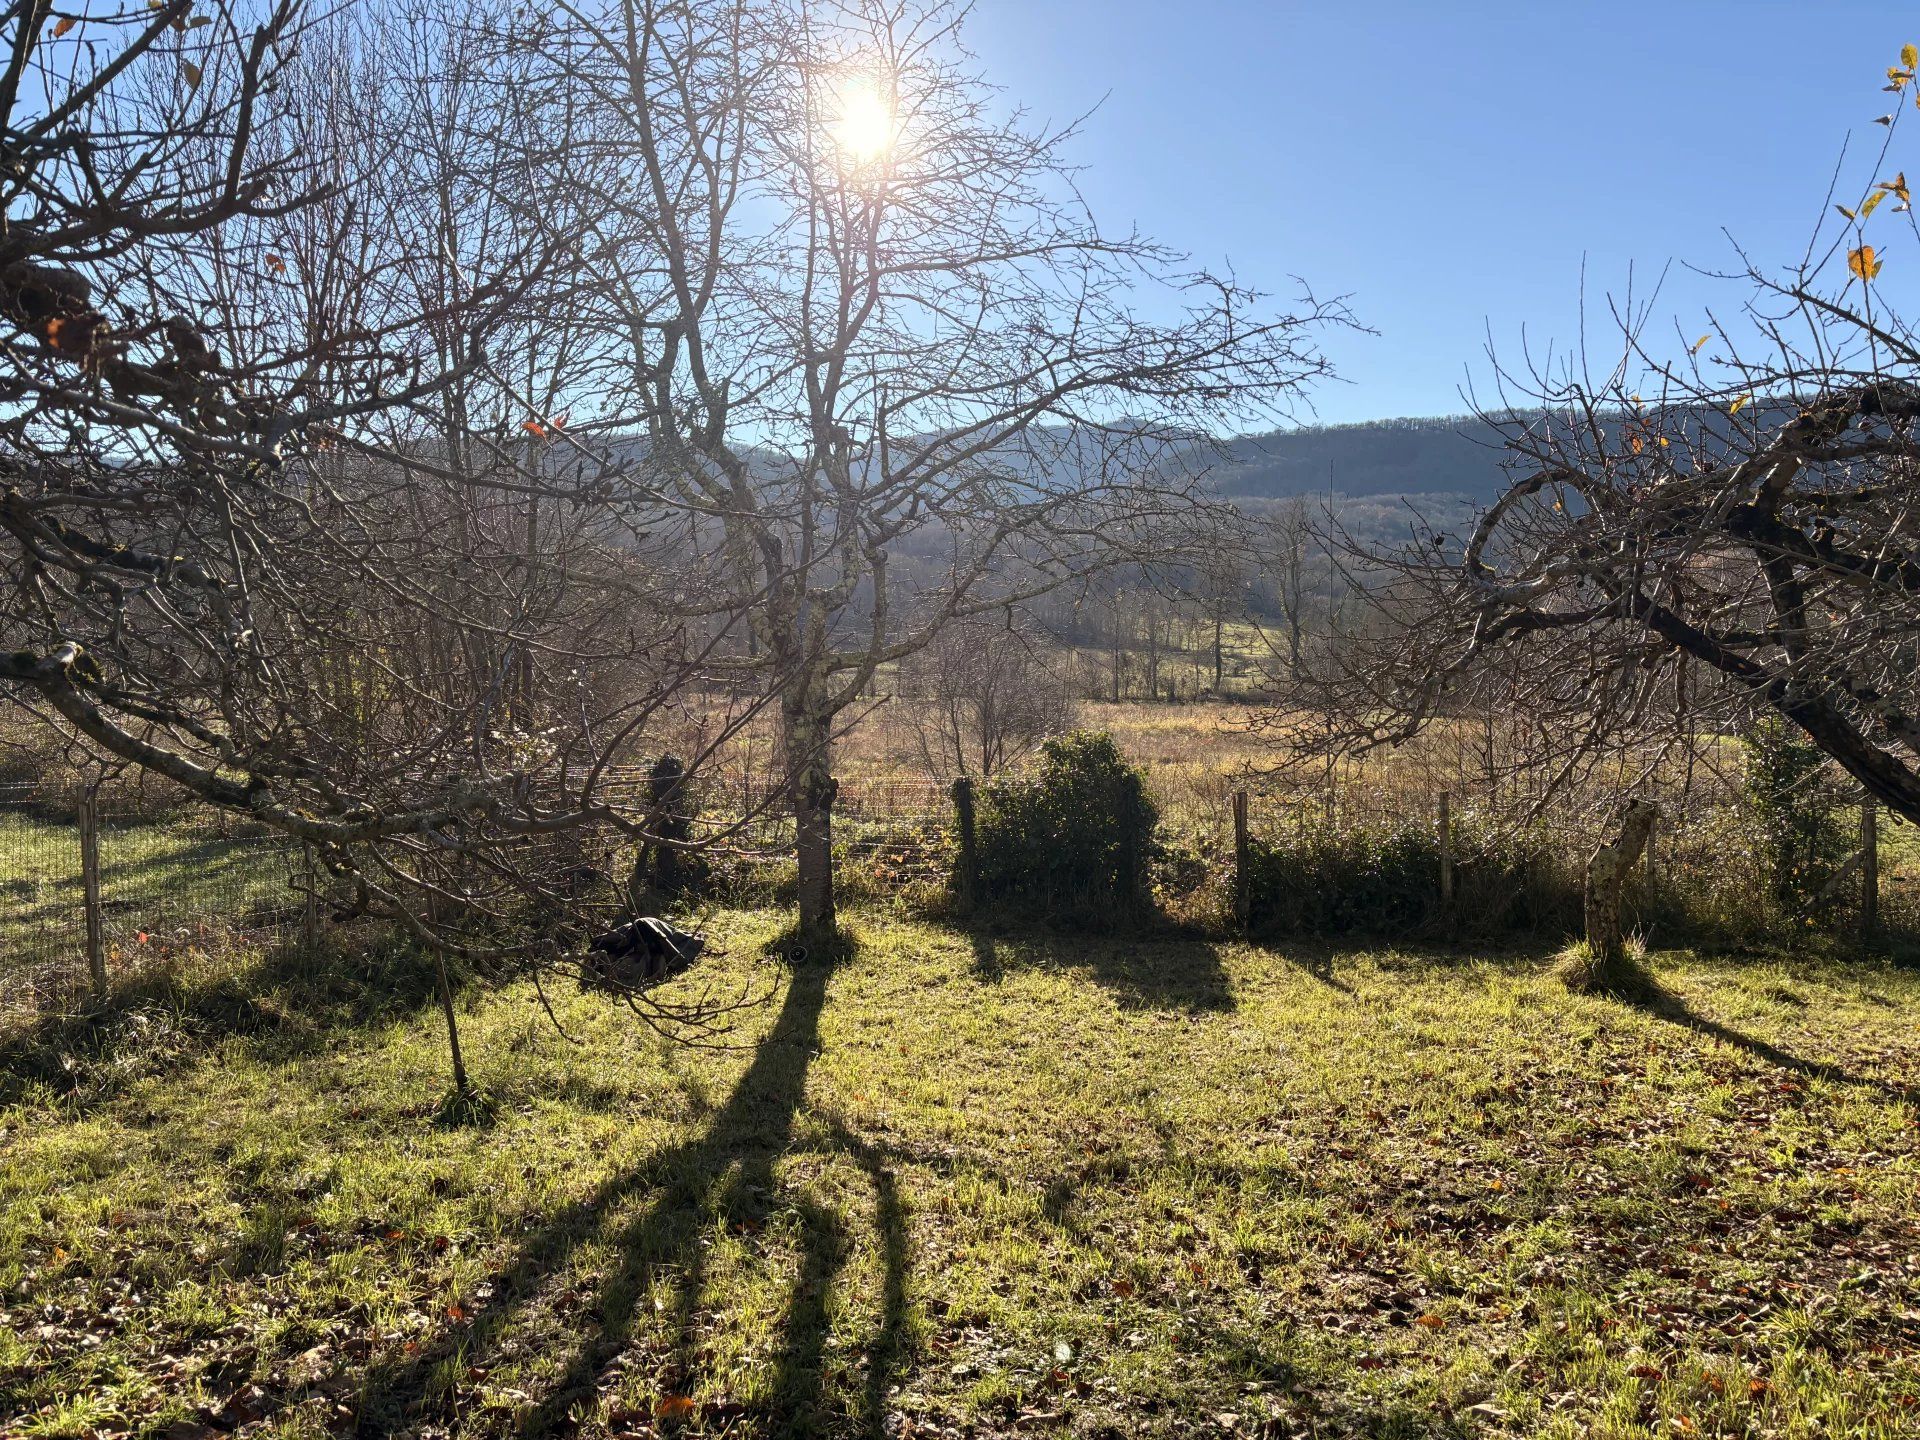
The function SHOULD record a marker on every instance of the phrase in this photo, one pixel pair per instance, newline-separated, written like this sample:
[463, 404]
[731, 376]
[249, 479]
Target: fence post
[90, 887]
[1446, 847]
[310, 911]
[968, 873]
[1242, 880]
[1869, 868]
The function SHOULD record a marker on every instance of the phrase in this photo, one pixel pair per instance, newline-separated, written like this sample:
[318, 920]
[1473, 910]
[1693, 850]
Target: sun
[865, 129]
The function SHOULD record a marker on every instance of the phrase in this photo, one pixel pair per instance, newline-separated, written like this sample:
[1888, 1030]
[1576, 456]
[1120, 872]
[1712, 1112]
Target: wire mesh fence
[166, 879]
[173, 878]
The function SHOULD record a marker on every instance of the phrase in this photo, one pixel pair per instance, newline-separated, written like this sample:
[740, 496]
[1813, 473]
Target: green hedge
[1385, 880]
[1076, 837]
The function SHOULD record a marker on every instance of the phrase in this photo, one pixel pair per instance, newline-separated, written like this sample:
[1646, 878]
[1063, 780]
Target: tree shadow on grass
[725, 1177]
[1144, 970]
[1643, 991]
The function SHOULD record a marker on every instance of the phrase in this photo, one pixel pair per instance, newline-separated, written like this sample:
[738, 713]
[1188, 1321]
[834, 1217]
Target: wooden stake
[968, 873]
[1242, 880]
[1869, 868]
[90, 886]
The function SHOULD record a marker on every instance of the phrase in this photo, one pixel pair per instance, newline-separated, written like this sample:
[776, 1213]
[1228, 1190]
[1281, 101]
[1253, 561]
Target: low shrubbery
[1077, 837]
[1718, 883]
[1385, 880]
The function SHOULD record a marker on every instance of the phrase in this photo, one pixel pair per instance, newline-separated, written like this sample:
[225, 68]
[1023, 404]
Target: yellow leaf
[1871, 203]
[192, 72]
[1739, 403]
[1701, 343]
[1897, 78]
[1910, 56]
[1862, 262]
[1897, 186]
[1844, 211]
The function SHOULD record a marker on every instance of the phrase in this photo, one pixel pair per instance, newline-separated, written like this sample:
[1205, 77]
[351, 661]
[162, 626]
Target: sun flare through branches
[864, 127]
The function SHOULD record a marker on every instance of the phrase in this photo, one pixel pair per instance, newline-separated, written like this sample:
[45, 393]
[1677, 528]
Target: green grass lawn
[978, 1186]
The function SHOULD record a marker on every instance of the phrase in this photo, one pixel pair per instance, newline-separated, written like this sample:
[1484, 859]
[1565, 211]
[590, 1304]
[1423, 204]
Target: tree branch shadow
[1646, 993]
[726, 1175]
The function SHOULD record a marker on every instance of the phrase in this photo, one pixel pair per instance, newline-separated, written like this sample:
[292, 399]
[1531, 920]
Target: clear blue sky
[1450, 165]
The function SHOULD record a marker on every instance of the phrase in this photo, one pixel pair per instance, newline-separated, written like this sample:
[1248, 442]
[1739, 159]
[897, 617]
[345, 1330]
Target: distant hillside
[1454, 458]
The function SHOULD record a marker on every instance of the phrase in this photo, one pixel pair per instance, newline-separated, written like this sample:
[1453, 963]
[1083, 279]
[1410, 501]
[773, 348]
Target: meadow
[974, 1183]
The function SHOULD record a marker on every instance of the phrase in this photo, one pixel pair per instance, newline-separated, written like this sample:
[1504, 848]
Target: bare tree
[854, 307]
[1292, 538]
[981, 697]
[1727, 533]
[253, 533]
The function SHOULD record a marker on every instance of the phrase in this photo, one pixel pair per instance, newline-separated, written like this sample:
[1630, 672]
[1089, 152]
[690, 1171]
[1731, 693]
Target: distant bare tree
[1291, 533]
[982, 697]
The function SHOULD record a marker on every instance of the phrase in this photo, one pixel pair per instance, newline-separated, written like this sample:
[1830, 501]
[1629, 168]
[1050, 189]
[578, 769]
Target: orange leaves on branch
[276, 263]
[74, 334]
[63, 25]
[1864, 264]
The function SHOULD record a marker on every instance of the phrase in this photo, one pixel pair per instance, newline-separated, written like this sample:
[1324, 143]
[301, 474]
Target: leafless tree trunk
[1607, 872]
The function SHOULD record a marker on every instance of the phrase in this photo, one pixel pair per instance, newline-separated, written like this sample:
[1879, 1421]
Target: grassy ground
[193, 866]
[976, 1185]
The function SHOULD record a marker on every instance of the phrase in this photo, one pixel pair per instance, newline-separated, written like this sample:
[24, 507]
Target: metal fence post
[89, 816]
[1242, 879]
[1446, 847]
[1869, 868]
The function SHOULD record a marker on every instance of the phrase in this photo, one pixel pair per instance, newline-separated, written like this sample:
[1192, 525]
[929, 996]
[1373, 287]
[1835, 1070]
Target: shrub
[1078, 835]
[1795, 811]
[1385, 880]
